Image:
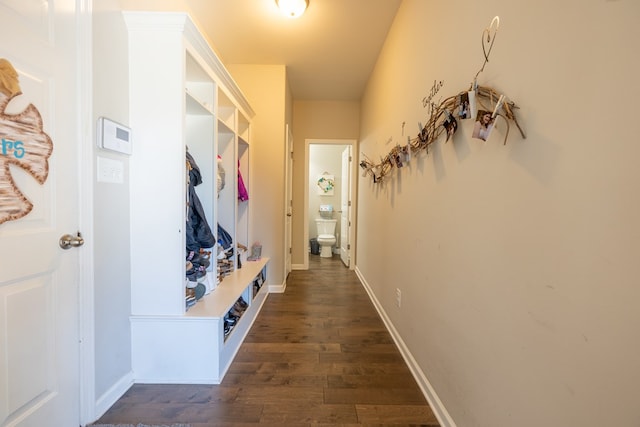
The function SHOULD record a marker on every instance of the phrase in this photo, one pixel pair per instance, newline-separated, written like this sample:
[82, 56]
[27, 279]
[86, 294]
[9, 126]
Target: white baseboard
[298, 267]
[435, 403]
[278, 289]
[111, 396]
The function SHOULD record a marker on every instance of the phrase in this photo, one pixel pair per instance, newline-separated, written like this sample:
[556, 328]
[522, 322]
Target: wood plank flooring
[318, 354]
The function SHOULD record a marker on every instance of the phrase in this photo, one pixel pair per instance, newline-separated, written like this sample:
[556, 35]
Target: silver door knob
[70, 241]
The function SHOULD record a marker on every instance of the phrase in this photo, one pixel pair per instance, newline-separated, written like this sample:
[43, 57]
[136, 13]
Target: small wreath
[325, 184]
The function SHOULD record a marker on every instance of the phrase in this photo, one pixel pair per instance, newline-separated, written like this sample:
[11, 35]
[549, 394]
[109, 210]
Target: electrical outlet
[398, 297]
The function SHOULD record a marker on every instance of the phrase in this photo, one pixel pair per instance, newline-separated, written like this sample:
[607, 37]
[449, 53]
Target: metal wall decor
[23, 143]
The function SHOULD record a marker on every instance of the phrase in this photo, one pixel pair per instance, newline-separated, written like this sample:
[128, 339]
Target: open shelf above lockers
[212, 111]
[233, 148]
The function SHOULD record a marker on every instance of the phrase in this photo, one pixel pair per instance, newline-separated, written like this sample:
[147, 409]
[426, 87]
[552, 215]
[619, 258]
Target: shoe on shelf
[195, 276]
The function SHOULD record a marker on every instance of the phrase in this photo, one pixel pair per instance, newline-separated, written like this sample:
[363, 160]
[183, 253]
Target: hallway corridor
[317, 354]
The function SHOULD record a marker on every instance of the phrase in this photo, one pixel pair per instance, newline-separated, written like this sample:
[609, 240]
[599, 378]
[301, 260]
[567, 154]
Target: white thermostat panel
[113, 136]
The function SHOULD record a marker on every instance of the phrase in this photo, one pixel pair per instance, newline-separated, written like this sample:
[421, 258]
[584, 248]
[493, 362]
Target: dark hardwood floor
[318, 354]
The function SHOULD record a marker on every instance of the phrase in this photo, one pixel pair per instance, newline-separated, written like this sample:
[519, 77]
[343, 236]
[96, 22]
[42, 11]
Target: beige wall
[111, 224]
[265, 87]
[518, 264]
[315, 120]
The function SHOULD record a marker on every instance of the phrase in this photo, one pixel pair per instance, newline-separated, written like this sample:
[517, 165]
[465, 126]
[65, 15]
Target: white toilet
[326, 227]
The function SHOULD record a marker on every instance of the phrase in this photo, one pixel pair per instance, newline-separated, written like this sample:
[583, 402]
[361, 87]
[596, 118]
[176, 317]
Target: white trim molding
[435, 403]
[85, 171]
[111, 396]
[278, 289]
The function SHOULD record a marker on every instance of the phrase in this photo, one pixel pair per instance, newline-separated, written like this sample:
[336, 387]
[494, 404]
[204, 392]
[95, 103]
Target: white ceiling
[329, 51]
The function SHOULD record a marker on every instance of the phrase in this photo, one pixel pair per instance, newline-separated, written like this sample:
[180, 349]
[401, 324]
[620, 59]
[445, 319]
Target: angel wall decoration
[23, 144]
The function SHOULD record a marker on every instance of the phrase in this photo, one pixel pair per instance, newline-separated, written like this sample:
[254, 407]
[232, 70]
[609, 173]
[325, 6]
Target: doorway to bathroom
[330, 191]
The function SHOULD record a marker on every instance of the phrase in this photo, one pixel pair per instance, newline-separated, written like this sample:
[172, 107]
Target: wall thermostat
[113, 136]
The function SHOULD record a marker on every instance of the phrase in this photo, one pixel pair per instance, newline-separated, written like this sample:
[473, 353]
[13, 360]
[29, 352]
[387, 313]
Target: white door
[345, 207]
[39, 338]
[288, 204]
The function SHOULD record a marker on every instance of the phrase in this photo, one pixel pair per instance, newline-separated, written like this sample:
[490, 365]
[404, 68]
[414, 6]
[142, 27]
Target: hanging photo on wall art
[326, 183]
[464, 111]
[451, 125]
[483, 125]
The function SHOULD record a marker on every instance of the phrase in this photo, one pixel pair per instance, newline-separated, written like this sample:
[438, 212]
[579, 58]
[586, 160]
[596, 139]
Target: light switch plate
[110, 170]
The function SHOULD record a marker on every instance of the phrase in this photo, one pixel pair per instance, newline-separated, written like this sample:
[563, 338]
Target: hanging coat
[224, 238]
[243, 195]
[198, 231]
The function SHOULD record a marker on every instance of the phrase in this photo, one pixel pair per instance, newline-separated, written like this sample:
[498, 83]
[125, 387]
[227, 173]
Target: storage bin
[315, 246]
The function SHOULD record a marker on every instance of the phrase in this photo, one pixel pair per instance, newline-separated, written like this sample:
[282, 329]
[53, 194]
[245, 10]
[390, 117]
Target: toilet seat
[326, 236]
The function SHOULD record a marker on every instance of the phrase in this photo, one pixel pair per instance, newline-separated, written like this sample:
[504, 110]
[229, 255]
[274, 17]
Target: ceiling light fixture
[292, 8]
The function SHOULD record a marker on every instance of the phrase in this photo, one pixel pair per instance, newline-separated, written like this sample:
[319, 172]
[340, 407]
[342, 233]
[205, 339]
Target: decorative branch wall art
[481, 103]
[23, 144]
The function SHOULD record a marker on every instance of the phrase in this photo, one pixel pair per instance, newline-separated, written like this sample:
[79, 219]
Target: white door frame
[354, 177]
[288, 194]
[86, 154]
[345, 205]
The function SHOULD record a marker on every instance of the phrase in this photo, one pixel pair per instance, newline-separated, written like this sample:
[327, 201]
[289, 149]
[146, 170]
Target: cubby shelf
[218, 303]
[183, 99]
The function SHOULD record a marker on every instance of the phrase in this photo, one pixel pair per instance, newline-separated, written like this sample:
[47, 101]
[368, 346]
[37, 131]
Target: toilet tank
[326, 226]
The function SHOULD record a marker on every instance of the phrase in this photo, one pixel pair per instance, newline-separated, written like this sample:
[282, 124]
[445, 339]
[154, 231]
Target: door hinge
[349, 246]
[349, 204]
